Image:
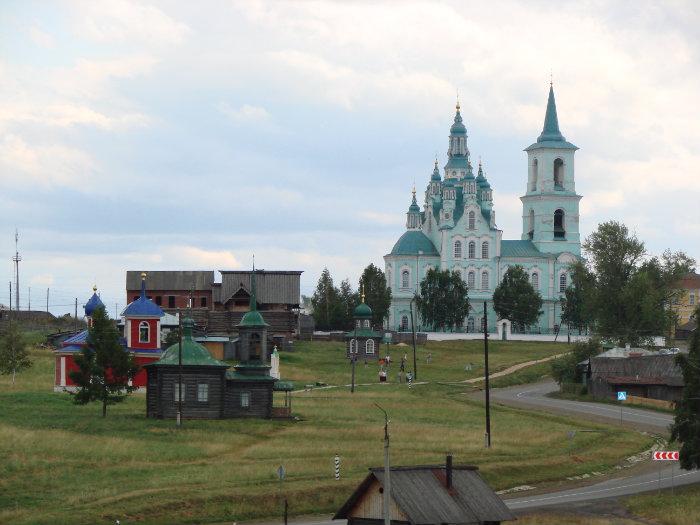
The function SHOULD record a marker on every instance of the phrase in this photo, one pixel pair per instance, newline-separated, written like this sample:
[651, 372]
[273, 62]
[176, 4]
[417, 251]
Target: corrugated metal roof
[171, 280]
[645, 369]
[420, 493]
[272, 287]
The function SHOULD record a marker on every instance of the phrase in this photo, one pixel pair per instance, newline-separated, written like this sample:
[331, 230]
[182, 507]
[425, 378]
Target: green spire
[253, 318]
[253, 302]
[550, 131]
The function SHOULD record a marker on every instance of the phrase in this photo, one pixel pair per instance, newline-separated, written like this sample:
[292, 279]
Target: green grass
[64, 464]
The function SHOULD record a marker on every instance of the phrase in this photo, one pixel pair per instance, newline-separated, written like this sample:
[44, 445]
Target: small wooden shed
[426, 495]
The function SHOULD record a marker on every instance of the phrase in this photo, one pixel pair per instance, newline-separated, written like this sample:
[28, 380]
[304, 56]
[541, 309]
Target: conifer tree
[377, 293]
[686, 425]
[348, 301]
[327, 306]
[515, 299]
[14, 356]
[105, 367]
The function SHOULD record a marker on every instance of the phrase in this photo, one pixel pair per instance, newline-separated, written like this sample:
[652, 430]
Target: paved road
[535, 396]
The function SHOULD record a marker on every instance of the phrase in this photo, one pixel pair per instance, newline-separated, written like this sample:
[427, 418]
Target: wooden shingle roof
[646, 369]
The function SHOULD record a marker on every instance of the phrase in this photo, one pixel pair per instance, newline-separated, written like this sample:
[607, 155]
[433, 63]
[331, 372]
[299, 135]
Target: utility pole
[353, 357]
[387, 469]
[10, 298]
[116, 310]
[75, 316]
[413, 328]
[179, 368]
[29, 299]
[16, 260]
[487, 436]
[47, 300]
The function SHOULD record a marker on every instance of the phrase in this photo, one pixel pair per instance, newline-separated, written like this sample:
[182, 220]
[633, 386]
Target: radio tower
[16, 259]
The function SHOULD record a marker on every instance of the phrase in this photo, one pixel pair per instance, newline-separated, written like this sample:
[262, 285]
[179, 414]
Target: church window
[485, 250]
[484, 280]
[202, 392]
[533, 186]
[353, 346]
[171, 301]
[404, 279]
[472, 219]
[366, 323]
[470, 324]
[369, 346]
[471, 278]
[692, 299]
[144, 332]
[458, 249]
[358, 324]
[159, 300]
[535, 280]
[472, 249]
[559, 231]
[255, 352]
[203, 302]
[245, 399]
[558, 173]
[531, 224]
[404, 323]
[562, 283]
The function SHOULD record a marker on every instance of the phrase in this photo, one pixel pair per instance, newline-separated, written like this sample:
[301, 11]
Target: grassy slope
[64, 464]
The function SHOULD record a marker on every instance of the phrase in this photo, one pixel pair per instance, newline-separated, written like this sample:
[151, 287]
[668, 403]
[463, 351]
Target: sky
[192, 135]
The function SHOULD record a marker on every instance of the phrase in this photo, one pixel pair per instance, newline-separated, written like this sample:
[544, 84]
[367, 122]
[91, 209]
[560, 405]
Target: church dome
[414, 243]
[363, 310]
[436, 173]
[458, 127]
[253, 318]
[143, 306]
[93, 303]
[193, 353]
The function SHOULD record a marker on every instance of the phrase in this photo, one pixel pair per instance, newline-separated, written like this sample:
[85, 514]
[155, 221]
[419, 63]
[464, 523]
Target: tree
[575, 303]
[348, 302]
[443, 301]
[515, 298]
[105, 367]
[326, 303]
[377, 293]
[630, 292]
[686, 425]
[14, 356]
[565, 369]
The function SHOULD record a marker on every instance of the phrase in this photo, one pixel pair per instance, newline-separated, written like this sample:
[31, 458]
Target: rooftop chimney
[448, 471]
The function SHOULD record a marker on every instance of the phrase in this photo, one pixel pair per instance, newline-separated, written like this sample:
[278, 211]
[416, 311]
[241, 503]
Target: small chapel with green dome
[456, 229]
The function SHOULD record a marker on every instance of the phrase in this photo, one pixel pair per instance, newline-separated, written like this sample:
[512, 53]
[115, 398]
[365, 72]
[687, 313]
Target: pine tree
[377, 293]
[328, 309]
[105, 367]
[14, 356]
[515, 299]
[576, 301]
[686, 425]
[348, 301]
[443, 301]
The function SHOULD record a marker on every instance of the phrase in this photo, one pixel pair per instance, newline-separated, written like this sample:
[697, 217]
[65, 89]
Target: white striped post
[337, 467]
[409, 377]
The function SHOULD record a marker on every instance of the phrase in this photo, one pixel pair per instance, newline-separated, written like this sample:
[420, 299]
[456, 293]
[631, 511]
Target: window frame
[202, 392]
[147, 326]
[245, 395]
[405, 278]
[485, 277]
[485, 249]
[471, 250]
[457, 249]
[471, 220]
[471, 280]
[563, 280]
[369, 348]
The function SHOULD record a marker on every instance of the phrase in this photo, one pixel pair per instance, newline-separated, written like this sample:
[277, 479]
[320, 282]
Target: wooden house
[426, 495]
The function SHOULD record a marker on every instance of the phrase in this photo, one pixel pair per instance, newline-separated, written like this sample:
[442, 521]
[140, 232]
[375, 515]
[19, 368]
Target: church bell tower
[550, 204]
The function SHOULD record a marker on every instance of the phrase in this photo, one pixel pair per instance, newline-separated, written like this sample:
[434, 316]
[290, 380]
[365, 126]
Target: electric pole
[29, 299]
[179, 368]
[487, 437]
[413, 329]
[387, 469]
[47, 300]
[75, 316]
[10, 298]
[16, 260]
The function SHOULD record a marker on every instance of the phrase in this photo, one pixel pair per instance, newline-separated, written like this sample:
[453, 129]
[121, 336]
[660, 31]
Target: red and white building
[141, 337]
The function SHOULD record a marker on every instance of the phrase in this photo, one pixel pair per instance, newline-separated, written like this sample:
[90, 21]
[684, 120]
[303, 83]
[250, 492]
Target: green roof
[363, 332]
[412, 242]
[551, 136]
[253, 318]
[520, 249]
[193, 354]
[363, 310]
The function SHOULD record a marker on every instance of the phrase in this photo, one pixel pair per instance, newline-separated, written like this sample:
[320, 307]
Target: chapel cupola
[457, 150]
[142, 316]
[413, 219]
[93, 304]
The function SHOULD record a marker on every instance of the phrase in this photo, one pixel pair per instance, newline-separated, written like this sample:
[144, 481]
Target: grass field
[64, 464]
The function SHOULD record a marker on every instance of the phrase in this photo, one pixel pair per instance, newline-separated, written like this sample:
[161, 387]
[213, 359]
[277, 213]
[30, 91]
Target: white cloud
[41, 38]
[245, 114]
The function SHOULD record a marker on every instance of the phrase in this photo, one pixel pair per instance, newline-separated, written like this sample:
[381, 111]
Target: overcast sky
[190, 135]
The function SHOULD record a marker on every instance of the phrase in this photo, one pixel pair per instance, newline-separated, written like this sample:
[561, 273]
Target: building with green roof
[362, 342]
[456, 229]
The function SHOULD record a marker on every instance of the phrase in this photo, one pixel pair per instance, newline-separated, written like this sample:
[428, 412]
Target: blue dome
[412, 242]
[143, 306]
[93, 303]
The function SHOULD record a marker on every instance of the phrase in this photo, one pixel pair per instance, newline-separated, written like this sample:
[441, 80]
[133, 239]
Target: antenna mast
[16, 260]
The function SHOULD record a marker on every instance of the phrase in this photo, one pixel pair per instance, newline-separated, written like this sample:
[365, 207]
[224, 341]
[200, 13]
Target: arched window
[389, 284]
[458, 249]
[358, 323]
[255, 347]
[366, 323]
[472, 219]
[144, 332]
[470, 324]
[353, 346]
[531, 224]
[404, 323]
[369, 346]
[533, 187]
[535, 280]
[472, 249]
[404, 279]
[485, 250]
[559, 230]
[471, 277]
[484, 280]
[558, 173]
[562, 282]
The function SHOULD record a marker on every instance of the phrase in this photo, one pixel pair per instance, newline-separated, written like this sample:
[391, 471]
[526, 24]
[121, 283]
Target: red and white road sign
[665, 456]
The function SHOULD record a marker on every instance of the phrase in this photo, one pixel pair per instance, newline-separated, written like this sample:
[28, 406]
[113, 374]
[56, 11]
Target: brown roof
[421, 494]
[170, 280]
[634, 380]
[690, 281]
[646, 369]
[271, 286]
